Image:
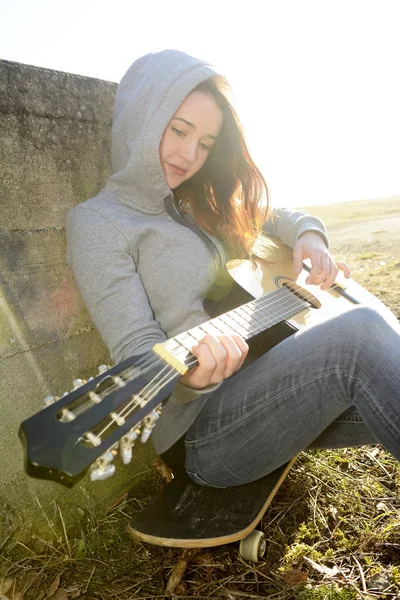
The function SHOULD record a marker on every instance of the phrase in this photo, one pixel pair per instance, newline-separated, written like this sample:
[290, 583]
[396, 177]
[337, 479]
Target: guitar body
[277, 271]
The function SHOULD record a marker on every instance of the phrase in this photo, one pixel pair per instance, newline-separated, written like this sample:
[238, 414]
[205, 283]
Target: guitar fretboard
[247, 320]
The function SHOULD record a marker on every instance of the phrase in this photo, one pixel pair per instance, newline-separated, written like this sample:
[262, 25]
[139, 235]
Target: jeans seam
[204, 481]
[227, 427]
[388, 423]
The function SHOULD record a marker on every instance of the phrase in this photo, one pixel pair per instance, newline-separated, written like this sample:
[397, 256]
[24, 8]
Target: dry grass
[333, 529]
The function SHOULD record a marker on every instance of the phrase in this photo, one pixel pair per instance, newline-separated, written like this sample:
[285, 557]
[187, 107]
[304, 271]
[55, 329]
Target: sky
[316, 82]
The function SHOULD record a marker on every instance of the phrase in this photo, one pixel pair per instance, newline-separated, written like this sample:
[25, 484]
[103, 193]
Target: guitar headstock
[97, 420]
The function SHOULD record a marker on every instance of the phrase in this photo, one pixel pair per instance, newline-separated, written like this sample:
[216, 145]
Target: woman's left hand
[324, 268]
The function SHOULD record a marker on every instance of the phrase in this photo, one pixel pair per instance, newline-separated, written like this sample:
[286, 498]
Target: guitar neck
[247, 321]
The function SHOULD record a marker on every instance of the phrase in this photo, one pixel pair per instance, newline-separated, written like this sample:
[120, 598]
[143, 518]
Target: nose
[189, 151]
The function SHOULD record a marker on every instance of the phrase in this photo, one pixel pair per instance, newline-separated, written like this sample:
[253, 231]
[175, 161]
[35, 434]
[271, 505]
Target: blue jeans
[331, 385]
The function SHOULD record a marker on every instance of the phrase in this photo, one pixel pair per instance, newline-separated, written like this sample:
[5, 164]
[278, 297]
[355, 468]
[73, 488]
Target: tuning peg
[67, 415]
[118, 381]
[95, 440]
[117, 418]
[149, 424]
[102, 468]
[77, 383]
[102, 473]
[49, 400]
[94, 397]
[102, 369]
[126, 445]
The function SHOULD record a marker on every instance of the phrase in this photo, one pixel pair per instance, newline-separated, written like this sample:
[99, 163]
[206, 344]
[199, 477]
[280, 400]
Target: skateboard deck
[187, 515]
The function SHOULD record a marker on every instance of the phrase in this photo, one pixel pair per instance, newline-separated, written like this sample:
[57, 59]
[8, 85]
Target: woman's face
[189, 137]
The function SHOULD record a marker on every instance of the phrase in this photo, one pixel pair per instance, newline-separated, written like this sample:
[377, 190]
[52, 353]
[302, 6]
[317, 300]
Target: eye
[205, 147]
[178, 132]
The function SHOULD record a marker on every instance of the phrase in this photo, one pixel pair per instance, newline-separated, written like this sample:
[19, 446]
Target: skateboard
[187, 515]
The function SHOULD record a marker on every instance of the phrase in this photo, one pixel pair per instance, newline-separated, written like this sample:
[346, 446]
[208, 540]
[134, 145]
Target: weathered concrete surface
[55, 130]
[54, 153]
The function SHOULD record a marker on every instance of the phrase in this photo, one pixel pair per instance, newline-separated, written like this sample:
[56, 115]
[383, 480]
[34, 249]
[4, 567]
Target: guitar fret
[243, 314]
[216, 326]
[228, 318]
[196, 333]
[246, 320]
[244, 325]
[238, 318]
[225, 329]
[249, 310]
[173, 345]
[209, 329]
[190, 340]
[256, 328]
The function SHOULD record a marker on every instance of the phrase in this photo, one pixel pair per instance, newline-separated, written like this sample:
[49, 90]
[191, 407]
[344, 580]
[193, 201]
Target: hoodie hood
[147, 98]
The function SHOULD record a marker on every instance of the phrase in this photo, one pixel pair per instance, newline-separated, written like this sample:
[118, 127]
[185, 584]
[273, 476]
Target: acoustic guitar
[101, 419]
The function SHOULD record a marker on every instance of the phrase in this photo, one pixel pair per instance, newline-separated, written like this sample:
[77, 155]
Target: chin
[176, 182]
[172, 185]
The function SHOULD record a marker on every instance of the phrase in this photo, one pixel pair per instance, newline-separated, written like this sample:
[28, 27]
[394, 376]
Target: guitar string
[151, 393]
[266, 303]
[127, 410]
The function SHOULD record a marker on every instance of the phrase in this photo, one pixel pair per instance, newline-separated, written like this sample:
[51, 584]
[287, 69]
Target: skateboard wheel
[253, 546]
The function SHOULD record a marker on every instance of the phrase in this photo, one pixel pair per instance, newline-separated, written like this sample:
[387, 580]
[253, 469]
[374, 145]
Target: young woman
[144, 277]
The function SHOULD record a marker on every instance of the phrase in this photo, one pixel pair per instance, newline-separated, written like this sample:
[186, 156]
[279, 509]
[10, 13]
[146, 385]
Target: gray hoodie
[142, 275]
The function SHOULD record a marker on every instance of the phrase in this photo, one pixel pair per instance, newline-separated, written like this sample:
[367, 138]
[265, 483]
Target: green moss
[327, 593]
[295, 553]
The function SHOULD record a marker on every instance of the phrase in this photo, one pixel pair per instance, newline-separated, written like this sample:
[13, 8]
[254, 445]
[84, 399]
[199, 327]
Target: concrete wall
[54, 153]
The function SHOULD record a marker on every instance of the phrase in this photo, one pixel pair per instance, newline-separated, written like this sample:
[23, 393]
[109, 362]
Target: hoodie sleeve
[111, 288]
[288, 225]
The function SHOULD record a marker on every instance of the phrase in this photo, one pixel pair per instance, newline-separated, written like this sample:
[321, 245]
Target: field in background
[345, 212]
[333, 529]
[366, 235]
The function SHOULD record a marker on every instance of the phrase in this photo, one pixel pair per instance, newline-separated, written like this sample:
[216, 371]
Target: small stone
[379, 582]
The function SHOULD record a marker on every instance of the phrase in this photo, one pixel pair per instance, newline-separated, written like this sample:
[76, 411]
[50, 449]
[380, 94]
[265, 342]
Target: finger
[344, 267]
[325, 270]
[202, 375]
[298, 256]
[315, 269]
[332, 277]
[220, 357]
[234, 355]
[242, 345]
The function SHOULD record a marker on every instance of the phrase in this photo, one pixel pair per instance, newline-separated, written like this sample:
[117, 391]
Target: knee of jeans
[364, 321]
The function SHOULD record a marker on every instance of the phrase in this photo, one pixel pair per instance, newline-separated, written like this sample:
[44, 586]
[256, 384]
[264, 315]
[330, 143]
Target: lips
[177, 170]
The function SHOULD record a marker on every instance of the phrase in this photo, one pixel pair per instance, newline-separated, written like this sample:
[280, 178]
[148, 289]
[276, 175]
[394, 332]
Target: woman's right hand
[219, 357]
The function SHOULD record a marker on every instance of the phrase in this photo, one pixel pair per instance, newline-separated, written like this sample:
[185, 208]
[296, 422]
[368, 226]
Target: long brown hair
[228, 195]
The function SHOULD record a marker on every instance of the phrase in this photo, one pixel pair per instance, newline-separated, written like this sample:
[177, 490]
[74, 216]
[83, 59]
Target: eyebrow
[192, 126]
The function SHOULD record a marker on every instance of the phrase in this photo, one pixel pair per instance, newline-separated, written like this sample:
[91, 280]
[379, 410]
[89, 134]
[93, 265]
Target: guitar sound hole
[301, 293]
